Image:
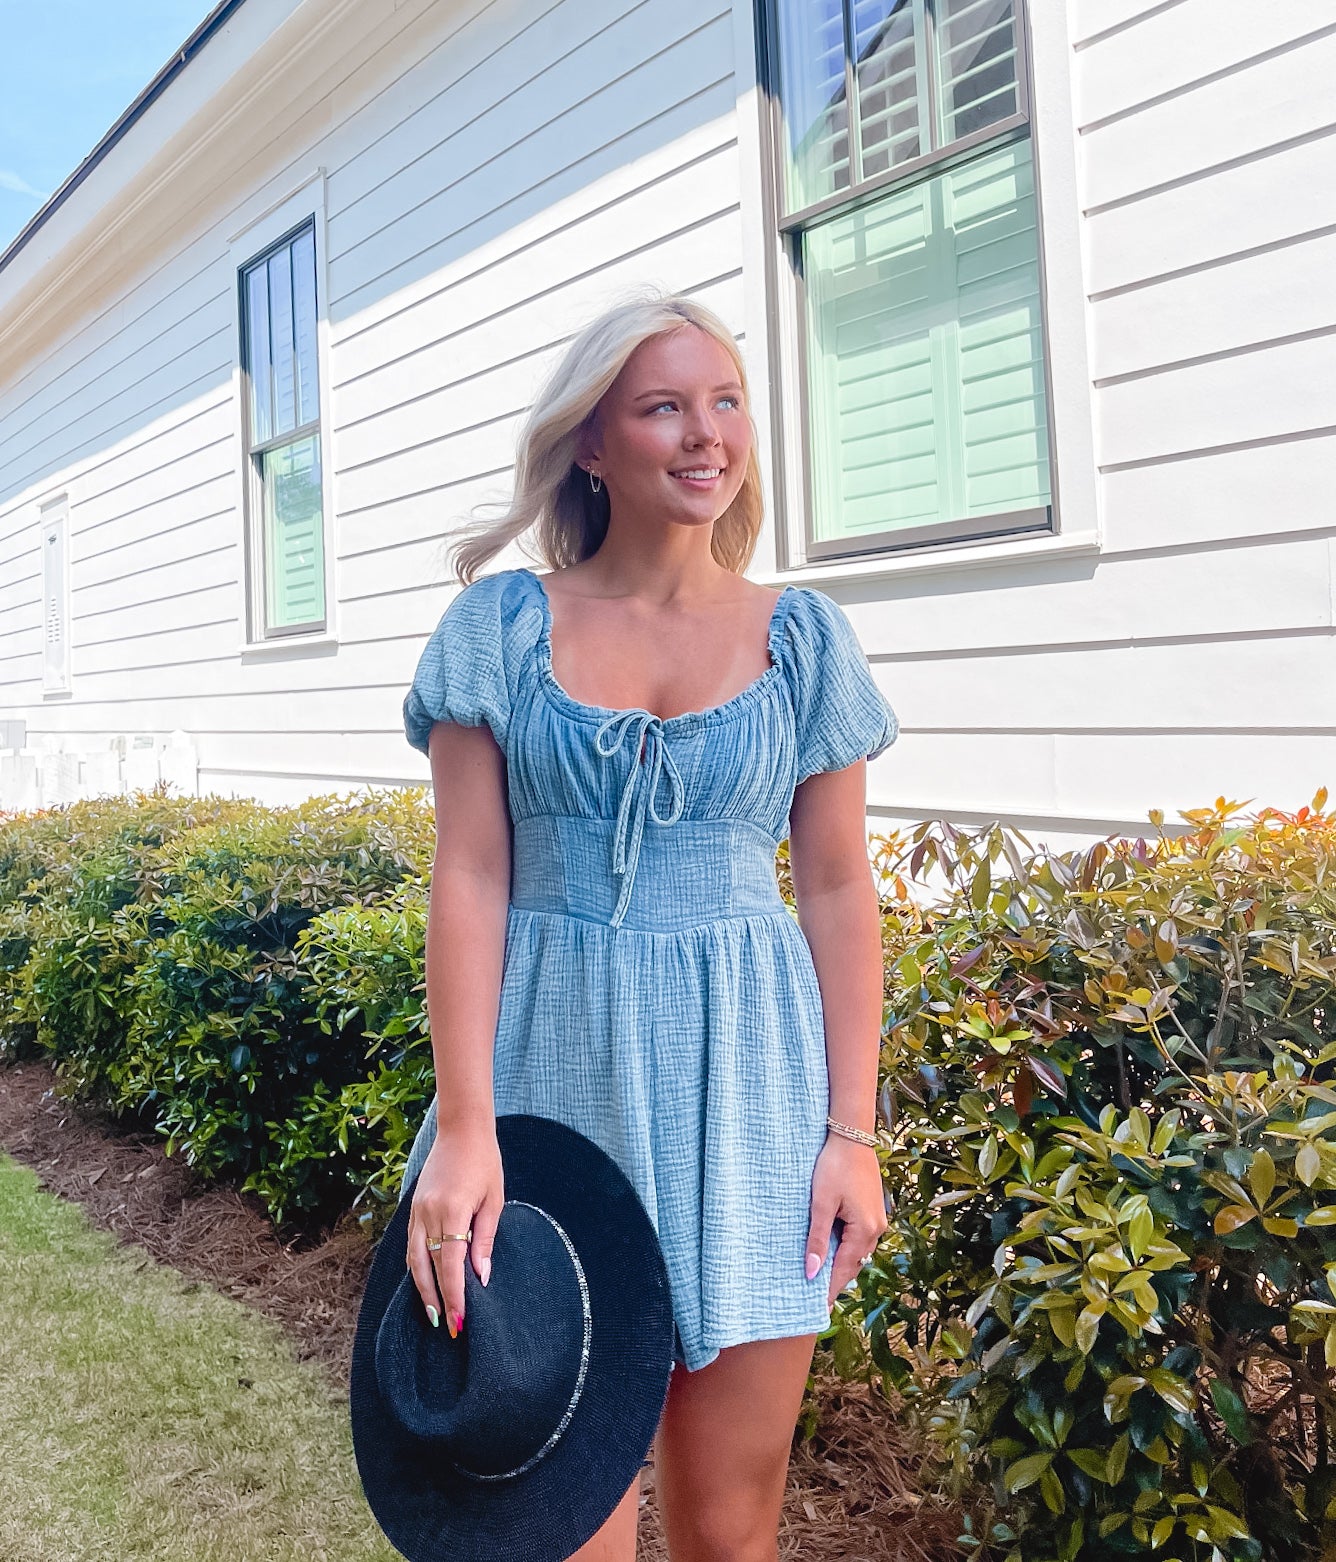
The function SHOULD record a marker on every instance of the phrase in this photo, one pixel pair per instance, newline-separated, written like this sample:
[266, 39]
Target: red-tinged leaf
[1049, 1075]
[1231, 1217]
[968, 960]
[1022, 1093]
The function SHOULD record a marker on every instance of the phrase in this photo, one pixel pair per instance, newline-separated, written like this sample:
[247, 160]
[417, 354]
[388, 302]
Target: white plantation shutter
[925, 351]
[55, 522]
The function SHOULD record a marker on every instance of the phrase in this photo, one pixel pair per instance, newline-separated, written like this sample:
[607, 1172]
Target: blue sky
[68, 68]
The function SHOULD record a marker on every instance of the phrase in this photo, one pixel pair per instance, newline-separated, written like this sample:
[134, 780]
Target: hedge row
[1108, 1093]
[246, 981]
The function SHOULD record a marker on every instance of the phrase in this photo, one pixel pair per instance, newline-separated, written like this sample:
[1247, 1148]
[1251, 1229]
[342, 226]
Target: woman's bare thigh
[721, 1457]
[721, 1453]
[616, 1540]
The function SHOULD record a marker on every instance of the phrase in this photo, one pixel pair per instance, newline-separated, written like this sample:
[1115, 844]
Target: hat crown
[495, 1399]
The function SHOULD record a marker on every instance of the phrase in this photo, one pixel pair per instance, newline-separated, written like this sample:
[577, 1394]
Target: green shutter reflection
[293, 533]
[925, 353]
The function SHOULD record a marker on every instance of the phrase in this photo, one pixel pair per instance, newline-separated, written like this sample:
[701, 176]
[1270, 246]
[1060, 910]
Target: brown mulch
[852, 1493]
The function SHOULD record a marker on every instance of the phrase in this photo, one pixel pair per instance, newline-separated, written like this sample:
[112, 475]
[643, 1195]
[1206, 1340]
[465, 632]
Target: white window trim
[55, 512]
[773, 325]
[261, 229]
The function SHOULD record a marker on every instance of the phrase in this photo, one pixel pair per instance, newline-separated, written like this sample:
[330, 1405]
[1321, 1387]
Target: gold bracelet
[856, 1134]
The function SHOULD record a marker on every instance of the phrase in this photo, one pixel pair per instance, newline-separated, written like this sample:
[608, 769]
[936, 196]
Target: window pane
[976, 64]
[925, 353]
[812, 90]
[304, 328]
[257, 353]
[280, 340]
[889, 46]
[294, 560]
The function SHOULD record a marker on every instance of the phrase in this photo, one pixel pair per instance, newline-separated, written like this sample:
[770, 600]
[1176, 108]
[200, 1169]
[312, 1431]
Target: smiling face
[671, 437]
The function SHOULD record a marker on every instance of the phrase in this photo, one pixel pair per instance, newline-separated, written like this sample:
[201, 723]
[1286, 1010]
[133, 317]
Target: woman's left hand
[846, 1183]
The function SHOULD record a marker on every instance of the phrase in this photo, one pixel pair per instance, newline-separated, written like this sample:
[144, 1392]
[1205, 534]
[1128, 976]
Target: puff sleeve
[840, 713]
[462, 673]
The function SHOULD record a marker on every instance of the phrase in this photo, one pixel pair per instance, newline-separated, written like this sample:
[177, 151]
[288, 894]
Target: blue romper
[657, 993]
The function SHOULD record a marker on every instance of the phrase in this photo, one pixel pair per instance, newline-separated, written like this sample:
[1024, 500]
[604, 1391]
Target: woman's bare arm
[466, 920]
[841, 919]
[461, 1185]
[840, 916]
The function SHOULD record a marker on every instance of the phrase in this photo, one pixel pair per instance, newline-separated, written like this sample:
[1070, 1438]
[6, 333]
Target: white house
[1038, 300]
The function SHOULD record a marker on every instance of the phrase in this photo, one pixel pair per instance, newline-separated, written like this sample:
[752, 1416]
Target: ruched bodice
[657, 994]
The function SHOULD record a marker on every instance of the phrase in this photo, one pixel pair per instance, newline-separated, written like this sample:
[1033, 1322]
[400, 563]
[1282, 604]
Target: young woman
[617, 748]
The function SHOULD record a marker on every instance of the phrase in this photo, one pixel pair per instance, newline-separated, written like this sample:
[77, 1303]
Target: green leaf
[1117, 1461]
[1262, 1178]
[1025, 1472]
[1087, 1327]
[1308, 1165]
[1062, 1320]
[1225, 1525]
[1140, 1233]
[1165, 1130]
[1231, 1411]
[1050, 1486]
[988, 1158]
[1172, 1390]
[1092, 1461]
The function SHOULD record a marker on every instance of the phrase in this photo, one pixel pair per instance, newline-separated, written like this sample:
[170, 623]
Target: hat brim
[427, 1509]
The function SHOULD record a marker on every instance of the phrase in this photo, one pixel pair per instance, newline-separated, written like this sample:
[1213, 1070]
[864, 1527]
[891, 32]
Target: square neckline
[725, 710]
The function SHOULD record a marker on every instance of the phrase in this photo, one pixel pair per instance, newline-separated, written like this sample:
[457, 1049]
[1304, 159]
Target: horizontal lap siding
[1194, 655]
[505, 170]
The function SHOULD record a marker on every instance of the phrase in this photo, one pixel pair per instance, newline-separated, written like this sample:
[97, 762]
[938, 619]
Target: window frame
[262, 234]
[791, 409]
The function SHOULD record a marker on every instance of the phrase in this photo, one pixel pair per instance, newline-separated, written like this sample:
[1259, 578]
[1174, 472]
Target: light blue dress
[657, 994]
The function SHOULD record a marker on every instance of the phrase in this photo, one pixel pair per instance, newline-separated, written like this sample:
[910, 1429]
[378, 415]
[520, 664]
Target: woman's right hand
[460, 1187]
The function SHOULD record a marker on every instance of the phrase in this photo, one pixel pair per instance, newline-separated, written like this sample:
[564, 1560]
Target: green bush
[64, 872]
[1109, 1284]
[169, 958]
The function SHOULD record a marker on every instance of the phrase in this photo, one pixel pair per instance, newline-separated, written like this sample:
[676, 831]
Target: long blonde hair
[552, 494]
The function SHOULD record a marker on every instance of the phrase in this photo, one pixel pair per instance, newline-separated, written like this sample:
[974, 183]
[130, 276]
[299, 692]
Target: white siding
[495, 174]
[496, 171]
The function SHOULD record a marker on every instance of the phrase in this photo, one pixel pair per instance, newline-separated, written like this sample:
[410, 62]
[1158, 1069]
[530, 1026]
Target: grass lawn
[144, 1416]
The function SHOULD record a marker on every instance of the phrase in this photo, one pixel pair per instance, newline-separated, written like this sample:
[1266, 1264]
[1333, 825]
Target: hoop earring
[594, 482]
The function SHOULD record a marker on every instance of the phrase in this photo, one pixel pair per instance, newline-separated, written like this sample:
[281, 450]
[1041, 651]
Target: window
[907, 205]
[285, 525]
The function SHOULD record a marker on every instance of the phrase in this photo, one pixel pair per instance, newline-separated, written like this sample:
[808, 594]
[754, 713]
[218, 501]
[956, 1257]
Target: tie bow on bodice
[638, 797]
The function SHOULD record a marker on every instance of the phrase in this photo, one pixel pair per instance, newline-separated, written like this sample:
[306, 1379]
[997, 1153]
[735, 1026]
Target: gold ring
[465, 1237]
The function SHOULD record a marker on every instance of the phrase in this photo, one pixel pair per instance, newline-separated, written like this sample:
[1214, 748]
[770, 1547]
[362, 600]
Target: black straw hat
[516, 1441]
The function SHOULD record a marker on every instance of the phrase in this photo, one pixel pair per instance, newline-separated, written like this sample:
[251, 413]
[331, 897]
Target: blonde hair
[552, 494]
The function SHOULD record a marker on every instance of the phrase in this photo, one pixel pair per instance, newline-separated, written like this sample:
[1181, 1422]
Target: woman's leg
[721, 1454]
[616, 1540]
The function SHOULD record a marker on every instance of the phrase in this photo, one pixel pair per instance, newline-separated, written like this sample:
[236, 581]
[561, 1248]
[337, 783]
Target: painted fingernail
[485, 1270]
[813, 1264]
[450, 1324]
[435, 1317]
